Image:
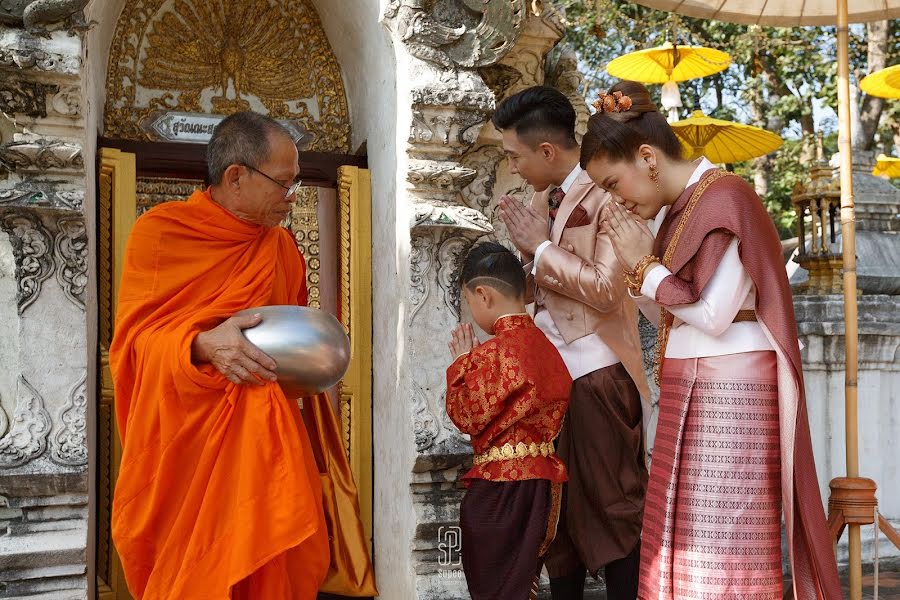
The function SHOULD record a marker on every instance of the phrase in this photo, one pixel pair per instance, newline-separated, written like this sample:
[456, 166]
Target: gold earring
[654, 176]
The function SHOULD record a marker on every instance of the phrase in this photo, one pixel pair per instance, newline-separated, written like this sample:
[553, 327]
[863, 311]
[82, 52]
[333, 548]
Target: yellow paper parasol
[669, 63]
[887, 166]
[884, 83]
[723, 141]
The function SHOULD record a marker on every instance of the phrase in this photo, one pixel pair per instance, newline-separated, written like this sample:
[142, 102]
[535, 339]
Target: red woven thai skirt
[712, 516]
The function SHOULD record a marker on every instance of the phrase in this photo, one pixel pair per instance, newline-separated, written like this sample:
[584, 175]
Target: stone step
[50, 587]
[74, 594]
[55, 512]
[55, 500]
[27, 528]
[45, 548]
[71, 570]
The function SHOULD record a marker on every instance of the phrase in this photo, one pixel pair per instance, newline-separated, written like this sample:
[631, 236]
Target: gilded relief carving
[305, 227]
[221, 57]
[231, 36]
[155, 190]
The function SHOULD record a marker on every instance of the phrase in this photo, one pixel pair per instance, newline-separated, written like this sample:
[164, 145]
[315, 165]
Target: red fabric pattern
[512, 388]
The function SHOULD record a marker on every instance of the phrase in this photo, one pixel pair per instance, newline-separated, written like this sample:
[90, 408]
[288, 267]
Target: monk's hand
[462, 340]
[632, 240]
[226, 348]
[527, 229]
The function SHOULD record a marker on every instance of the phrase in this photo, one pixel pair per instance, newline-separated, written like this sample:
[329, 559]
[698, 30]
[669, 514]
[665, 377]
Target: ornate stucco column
[43, 290]
[465, 56]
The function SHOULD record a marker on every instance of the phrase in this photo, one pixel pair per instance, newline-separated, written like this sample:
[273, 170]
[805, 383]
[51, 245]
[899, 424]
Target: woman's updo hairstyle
[626, 118]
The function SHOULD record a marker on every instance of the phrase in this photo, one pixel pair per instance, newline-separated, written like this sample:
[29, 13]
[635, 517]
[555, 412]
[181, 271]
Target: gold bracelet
[634, 278]
[633, 286]
[644, 265]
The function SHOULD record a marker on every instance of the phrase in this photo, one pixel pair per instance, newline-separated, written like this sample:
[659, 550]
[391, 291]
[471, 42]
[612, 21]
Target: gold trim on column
[355, 312]
[124, 204]
[118, 206]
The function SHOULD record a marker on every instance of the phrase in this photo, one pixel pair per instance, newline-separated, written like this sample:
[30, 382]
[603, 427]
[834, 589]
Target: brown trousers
[506, 528]
[602, 444]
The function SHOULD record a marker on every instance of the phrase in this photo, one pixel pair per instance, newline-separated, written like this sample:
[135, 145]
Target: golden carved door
[332, 228]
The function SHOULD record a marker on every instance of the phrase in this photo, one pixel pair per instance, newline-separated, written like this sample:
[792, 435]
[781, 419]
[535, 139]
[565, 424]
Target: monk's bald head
[253, 168]
[244, 138]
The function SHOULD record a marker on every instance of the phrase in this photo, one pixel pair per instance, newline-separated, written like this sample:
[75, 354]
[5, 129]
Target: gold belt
[520, 450]
[745, 315]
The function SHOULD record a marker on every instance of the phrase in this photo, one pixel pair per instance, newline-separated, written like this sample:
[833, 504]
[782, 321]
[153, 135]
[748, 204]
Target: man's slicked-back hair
[538, 114]
[491, 264]
[243, 139]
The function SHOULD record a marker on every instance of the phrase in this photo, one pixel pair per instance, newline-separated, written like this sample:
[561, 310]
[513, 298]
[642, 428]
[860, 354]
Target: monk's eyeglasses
[289, 190]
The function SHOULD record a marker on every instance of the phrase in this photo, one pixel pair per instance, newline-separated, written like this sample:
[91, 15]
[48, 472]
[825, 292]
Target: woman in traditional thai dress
[732, 445]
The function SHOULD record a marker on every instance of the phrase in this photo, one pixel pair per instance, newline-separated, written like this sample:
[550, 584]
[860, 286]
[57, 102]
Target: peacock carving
[247, 46]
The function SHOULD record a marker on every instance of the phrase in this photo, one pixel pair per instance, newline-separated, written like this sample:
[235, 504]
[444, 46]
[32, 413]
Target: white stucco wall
[821, 328]
[9, 325]
[374, 81]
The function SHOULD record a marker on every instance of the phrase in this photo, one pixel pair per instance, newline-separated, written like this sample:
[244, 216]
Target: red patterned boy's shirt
[510, 395]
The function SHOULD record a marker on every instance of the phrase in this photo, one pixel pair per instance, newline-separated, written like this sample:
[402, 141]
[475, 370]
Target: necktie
[556, 198]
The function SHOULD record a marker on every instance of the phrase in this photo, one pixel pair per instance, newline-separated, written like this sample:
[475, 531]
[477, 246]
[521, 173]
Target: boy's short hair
[538, 114]
[493, 265]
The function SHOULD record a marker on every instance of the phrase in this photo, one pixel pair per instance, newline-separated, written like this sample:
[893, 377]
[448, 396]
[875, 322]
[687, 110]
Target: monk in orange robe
[219, 493]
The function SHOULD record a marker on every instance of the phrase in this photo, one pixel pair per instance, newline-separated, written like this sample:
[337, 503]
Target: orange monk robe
[218, 486]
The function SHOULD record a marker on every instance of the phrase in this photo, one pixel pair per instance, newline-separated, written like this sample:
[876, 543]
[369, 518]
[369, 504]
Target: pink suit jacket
[580, 281]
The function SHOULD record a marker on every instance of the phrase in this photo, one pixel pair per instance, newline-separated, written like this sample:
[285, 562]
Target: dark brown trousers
[506, 527]
[602, 444]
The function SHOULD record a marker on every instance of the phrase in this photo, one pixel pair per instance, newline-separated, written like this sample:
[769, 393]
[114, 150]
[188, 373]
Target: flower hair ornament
[614, 102]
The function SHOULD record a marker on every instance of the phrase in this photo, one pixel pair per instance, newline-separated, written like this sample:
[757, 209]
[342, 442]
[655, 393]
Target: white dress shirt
[706, 327]
[586, 354]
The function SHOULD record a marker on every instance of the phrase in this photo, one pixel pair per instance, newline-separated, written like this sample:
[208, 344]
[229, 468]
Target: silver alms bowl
[310, 346]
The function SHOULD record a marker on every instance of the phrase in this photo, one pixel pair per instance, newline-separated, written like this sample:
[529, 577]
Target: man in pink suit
[582, 306]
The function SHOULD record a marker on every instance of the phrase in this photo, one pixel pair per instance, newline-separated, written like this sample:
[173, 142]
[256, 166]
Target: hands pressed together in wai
[632, 240]
[462, 340]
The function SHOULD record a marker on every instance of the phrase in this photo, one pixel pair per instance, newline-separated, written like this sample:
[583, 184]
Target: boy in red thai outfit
[510, 395]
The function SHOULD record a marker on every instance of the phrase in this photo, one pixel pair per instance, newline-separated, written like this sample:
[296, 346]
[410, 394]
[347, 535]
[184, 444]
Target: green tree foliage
[776, 77]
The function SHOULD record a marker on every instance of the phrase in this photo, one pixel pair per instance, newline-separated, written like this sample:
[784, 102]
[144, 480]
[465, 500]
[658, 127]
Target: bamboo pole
[848, 248]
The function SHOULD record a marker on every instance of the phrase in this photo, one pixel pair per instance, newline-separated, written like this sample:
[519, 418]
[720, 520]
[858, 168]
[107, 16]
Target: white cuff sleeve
[722, 297]
[537, 255]
[652, 279]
